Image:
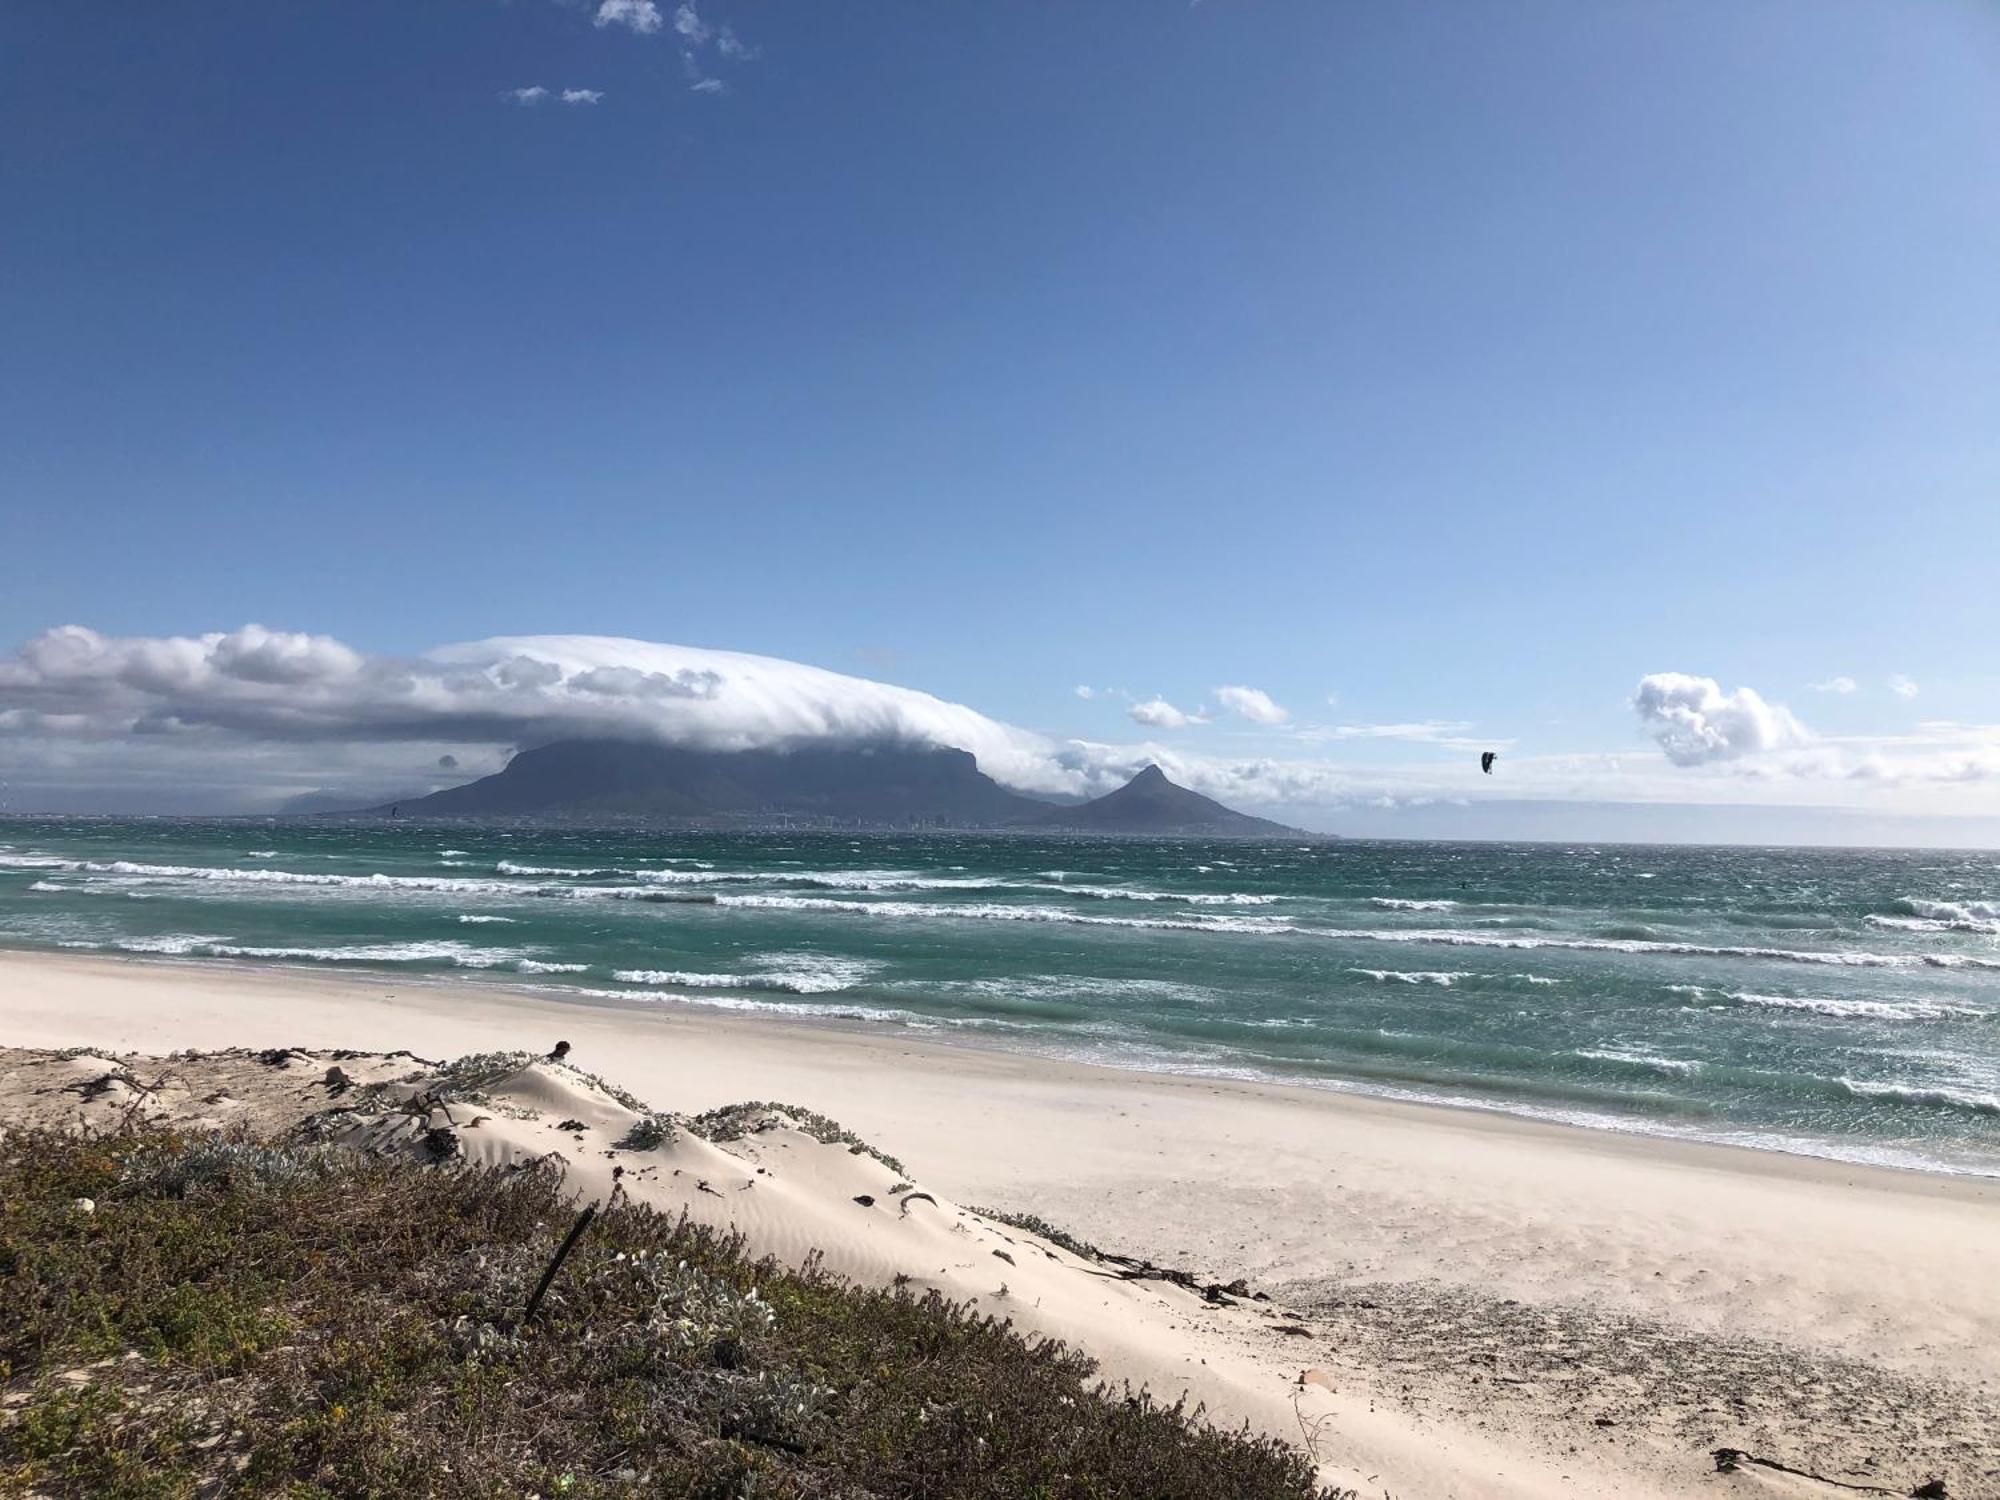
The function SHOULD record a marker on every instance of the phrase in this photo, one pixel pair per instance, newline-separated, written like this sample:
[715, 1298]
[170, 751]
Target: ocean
[1842, 1003]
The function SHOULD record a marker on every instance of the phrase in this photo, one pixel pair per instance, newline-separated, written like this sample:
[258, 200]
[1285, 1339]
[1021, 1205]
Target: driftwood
[562, 1254]
[1729, 1460]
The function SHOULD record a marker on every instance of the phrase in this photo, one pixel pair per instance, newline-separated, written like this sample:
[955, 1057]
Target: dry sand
[1479, 1306]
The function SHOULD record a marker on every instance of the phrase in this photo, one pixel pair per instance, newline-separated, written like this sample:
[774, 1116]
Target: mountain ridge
[882, 786]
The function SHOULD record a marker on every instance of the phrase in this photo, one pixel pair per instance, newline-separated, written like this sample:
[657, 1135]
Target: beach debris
[85, 1205]
[572, 1125]
[558, 1052]
[94, 1088]
[441, 1141]
[1731, 1460]
[1003, 1255]
[909, 1198]
[337, 1081]
[866, 1200]
[278, 1057]
[562, 1254]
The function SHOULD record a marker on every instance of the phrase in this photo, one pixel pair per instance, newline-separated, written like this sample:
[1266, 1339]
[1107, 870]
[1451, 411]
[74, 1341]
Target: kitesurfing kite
[1486, 760]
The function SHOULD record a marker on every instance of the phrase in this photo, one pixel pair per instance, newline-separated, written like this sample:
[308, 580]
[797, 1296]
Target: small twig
[1729, 1460]
[569, 1244]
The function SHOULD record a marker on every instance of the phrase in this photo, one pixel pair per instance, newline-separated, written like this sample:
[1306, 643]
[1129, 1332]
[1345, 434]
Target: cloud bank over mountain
[243, 720]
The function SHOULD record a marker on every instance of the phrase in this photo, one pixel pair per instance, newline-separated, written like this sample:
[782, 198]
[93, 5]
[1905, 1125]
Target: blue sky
[1461, 364]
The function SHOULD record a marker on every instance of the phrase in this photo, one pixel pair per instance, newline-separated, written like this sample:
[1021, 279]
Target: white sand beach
[1460, 1303]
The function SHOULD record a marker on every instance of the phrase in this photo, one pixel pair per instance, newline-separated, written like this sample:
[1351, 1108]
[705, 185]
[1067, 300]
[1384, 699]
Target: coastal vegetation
[185, 1315]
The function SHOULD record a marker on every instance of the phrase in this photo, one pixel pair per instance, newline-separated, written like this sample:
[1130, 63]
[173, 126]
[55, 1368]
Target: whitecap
[1674, 1066]
[1935, 1095]
[1872, 1010]
[1444, 978]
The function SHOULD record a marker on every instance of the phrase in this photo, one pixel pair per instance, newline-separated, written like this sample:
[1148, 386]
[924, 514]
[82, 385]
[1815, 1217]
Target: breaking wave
[1445, 978]
[1872, 1010]
[1673, 1066]
[1935, 1096]
[788, 975]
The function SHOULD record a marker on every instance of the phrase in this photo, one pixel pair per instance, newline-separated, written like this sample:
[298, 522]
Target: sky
[1306, 396]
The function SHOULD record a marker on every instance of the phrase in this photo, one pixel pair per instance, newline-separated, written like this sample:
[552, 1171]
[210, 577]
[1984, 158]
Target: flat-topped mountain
[1151, 804]
[867, 786]
[616, 778]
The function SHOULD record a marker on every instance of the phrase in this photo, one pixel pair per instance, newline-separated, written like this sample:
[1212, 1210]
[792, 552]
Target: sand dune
[1460, 1305]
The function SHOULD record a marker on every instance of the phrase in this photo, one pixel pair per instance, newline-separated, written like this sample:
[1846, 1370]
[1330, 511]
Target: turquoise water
[1840, 1002]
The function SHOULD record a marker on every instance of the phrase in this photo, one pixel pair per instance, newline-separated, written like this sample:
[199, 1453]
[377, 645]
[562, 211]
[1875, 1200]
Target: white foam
[996, 912]
[1674, 1066]
[536, 966]
[1400, 903]
[1950, 911]
[177, 943]
[786, 973]
[261, 854]
[48, 885]
[1873, 1010]
[830, 1010]
[35, 862]
[293, 877]
[1934, 1095]
[1444, 978]
[474, 920]
[462, 955]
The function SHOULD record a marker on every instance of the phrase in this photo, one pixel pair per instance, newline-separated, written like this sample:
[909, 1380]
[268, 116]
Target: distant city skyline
[1304, 397]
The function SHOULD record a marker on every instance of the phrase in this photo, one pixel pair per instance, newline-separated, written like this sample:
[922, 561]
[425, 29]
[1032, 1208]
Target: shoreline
[1478, 1230]
[827, 1019]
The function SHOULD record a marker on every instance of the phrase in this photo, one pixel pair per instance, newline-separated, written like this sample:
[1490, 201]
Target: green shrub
[322, 1324]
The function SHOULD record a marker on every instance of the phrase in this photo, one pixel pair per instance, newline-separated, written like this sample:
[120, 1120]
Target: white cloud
[258, 684]
[1840, 685]
[733, 47]
[641, 16]
[690, 25]
[582, 96]
[1421, 732]
[1902, 687]
[1696, 723]
[532, 95]
[1252, 704]
[1157, 713]
[1085, 691]
[239, 721]
[709, 86]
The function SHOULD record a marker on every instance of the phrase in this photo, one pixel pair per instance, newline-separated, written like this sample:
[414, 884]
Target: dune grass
[227, 1316]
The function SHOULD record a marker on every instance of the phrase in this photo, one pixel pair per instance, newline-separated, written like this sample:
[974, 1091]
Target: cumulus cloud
[1696, 723]
[1902, 687]
[691, 25]
[1157, 713]
[641, 16]
[708, 86]
[734, 47]
[582, 96]
[534, 94]
[1085, 691]
[1841, 685]
[1252, 704]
